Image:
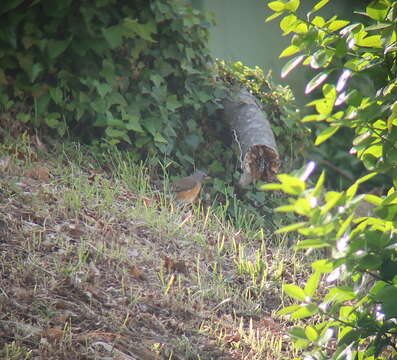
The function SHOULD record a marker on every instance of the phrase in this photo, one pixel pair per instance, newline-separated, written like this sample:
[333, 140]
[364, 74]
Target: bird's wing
[184, 184]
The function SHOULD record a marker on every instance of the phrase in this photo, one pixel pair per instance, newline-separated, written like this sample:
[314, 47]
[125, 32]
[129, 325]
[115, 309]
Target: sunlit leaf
[317, 81]
[323, 266]
[326, 134]
[291, 65]
[377, 9]
[294, 291]
[337, 24]
[311, 333]
[276, 5]
[371, 41]
[291, 227]
[319, 5]
[288, 23]
[290, 50]
[312, 284]
[292, 5]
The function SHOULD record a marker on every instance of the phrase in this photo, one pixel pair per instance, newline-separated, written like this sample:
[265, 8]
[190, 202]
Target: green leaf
[298, 333]
[290, 228]
[374, 41]
[319, 185]
[159, 138]
[304, 312]
[332, 198]
[339, 294]
[35, 71]
[326, 134]
[276, 5]
[144, 31]
[114, 35]
[370, 262]
[57, 47]
[273, 16]
[378, 9]
[290, 50]
[312, 284]
[115, 133]
[291, 185]
[319, 5]
[323, 266]
[316, 81]
[349, 336]
[311, 244]
[288, 309]
[311, 333]
[288, 23]
[52, 121]
[337, 24]
[291, 65]
[294, 291]
[56, 94]
[321, 58]
[292, 5]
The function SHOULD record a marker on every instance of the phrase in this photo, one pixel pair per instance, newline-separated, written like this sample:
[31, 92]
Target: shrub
[133, 73]
[356, 318]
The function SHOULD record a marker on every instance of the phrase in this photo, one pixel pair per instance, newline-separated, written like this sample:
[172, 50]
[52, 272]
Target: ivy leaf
[291, 65]
[114, 35]
[144, 31]
[57, 47]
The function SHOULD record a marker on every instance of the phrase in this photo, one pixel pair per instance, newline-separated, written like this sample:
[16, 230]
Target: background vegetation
[355, 319]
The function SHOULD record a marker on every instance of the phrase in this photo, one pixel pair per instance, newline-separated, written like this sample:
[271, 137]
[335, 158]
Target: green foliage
[355, 67]
[131, 72]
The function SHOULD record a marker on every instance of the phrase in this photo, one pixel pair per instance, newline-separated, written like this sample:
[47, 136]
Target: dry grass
[96, 265]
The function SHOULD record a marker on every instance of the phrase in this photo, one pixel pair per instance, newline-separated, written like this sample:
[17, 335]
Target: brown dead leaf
[172, 265]
[38, 172]
[54, 333]
[137, 273]
[23, 294]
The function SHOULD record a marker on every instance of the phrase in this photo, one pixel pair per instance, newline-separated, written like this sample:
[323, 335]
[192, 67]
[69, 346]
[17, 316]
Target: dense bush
[132, 72]
[356, 318]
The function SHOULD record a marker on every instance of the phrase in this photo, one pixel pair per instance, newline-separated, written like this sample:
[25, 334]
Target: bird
[187, 189]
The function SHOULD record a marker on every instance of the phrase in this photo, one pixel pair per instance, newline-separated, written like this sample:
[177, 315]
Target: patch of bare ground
[96, 265]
